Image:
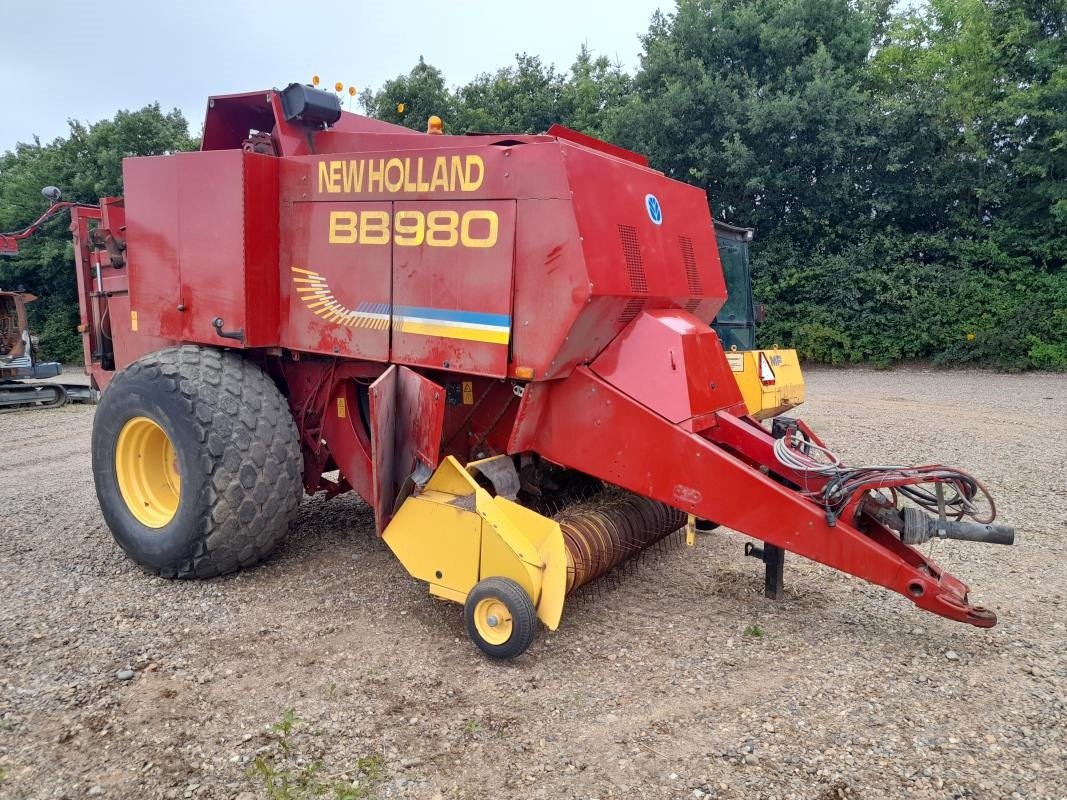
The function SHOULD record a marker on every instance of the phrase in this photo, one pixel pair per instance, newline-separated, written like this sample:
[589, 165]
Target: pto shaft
[915, 527]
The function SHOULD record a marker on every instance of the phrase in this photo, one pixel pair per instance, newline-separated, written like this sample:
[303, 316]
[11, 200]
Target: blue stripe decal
[472, 317]
[447, 315]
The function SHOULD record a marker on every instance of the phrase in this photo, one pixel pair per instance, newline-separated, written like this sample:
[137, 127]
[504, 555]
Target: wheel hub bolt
[492, 620]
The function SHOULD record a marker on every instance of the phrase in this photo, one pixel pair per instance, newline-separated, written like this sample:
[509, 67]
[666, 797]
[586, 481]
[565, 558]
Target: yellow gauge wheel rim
[146, 467]
[492, 620]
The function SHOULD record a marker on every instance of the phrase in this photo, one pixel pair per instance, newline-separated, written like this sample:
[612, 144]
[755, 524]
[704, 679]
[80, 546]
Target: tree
[527, 97]
[760, 103]
[86, 165]
[594, 95]
[519, 99]
[905, 172]
[974, 101]
[410, 100]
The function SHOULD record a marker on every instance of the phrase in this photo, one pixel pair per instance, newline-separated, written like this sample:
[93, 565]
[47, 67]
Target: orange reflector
[766, 374]
[524, 373]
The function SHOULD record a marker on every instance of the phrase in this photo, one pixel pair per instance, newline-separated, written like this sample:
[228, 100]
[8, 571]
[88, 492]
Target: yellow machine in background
[770, 380]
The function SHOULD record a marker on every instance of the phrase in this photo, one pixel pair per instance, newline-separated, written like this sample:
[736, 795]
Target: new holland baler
[500, 342]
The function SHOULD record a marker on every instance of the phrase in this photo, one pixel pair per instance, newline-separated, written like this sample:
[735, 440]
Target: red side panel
[211, 235]
[335, 284]
[644, 235]
[406, 414]
[563, 132]
[261, 240]
[551, 287]
[202, 237]
[382, 445]
[452, 268]
[673, 364]
[420, 413]
[151, 192]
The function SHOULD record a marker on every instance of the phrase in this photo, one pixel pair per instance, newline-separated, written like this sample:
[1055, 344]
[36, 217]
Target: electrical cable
[843, 483]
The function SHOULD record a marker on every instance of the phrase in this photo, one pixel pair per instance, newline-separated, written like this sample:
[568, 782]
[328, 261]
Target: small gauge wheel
[500, 617]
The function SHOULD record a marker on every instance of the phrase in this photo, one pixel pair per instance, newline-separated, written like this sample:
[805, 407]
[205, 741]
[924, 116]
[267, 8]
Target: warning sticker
[737, 361]
[766, 374]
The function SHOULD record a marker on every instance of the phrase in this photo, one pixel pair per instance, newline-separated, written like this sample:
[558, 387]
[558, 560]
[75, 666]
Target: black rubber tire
[523, 616]
[238, 456]
[705, 525]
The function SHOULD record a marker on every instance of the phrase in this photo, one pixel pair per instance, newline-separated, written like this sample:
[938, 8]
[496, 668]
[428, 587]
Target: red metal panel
[585, 269]
[261, 223]
[420, 412]
[406, 412]
[593, 143]
[672, 363]
[551, 288]
[452, 284]
[419, 167]
[383, 407]
[349, 446]
[211, 236]
[202, 232]
[217, 275]
[336, 295]
[151, 192]
[128, 346]
[627, 251]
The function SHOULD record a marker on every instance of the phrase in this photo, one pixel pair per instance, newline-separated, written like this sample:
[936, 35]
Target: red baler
[500, 342]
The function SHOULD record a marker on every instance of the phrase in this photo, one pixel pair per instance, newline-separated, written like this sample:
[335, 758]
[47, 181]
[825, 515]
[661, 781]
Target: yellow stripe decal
[455, 332]
[314, 292]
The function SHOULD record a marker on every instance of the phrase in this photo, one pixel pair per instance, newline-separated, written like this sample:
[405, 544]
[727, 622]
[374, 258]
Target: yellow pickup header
[418, 174]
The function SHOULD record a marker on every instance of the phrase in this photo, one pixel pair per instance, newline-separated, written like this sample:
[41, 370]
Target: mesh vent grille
[631, 250]
[631, 309]
[692, 274]
[692, 305]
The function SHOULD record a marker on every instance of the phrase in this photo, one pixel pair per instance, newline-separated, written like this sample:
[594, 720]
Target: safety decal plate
[737, 361]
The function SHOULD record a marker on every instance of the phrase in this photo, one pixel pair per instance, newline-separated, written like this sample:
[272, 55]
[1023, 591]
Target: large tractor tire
[197, 462]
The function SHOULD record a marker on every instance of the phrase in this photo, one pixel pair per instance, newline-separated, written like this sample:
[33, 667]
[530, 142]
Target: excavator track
[21, 395]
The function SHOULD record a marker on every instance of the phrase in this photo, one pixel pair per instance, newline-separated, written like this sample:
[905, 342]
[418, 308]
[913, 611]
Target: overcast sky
[86, 60]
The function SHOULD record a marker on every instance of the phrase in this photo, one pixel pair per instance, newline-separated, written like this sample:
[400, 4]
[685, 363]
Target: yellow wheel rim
[492, 620]
[147, 470]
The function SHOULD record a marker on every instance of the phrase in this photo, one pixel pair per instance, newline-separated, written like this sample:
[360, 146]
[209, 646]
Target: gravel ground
[328, 670]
